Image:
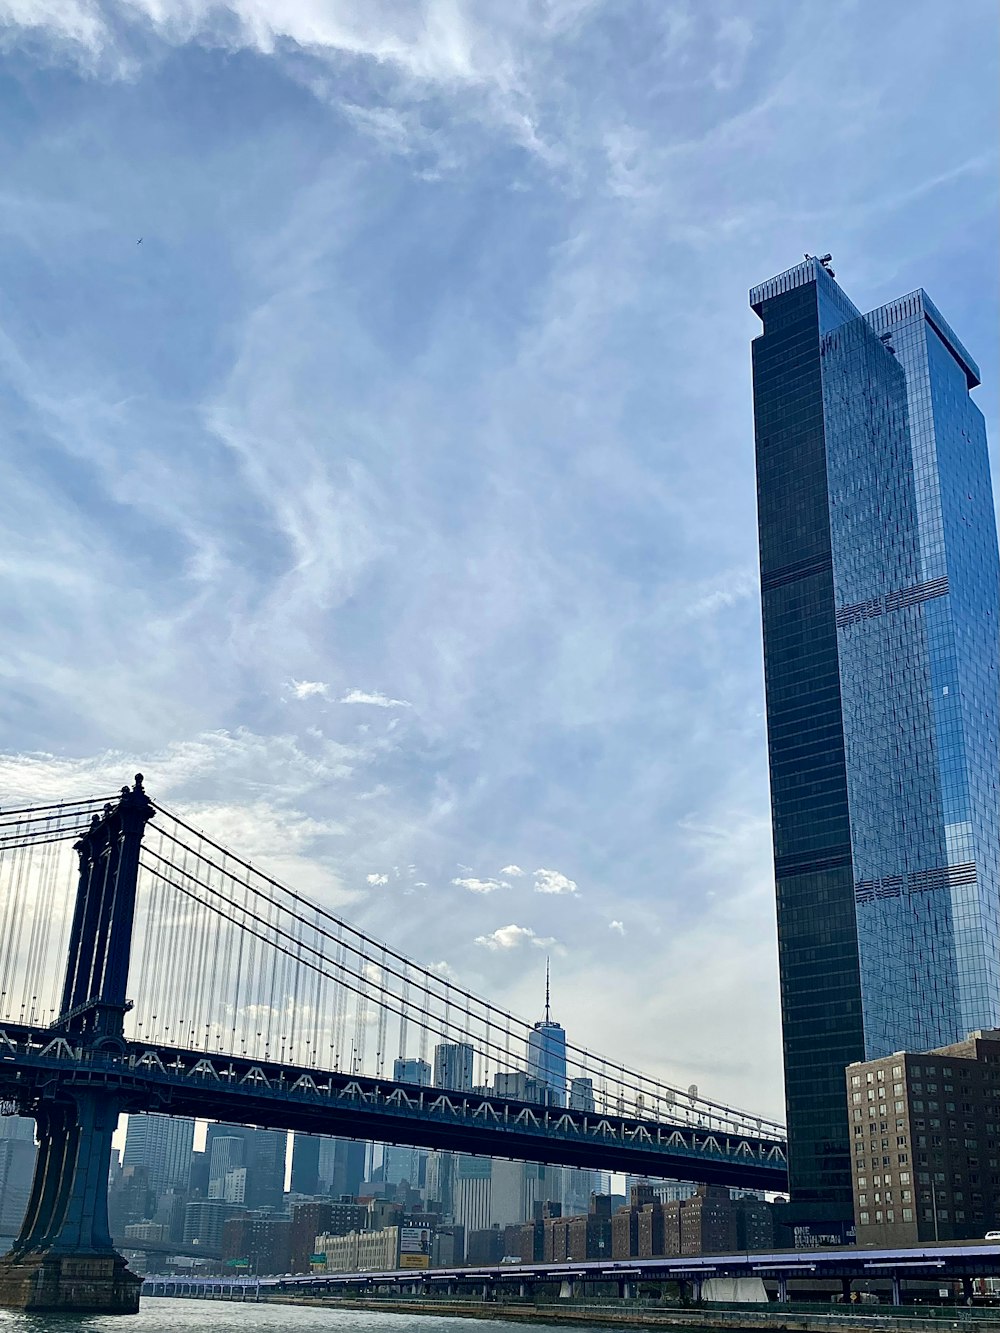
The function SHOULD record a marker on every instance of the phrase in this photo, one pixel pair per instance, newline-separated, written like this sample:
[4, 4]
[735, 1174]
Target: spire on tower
[547, 990]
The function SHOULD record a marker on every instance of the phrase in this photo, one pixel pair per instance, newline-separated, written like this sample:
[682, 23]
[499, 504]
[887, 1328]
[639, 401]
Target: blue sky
[392, 504]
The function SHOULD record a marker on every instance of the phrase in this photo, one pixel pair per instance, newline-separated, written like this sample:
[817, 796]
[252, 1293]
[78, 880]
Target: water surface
[160, 1315]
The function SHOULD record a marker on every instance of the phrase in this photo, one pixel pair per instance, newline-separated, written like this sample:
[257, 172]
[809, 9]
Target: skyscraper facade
[880, 587]
[162, 1144]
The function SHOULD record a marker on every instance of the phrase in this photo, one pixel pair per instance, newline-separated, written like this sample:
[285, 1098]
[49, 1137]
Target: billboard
[414, 1261]
[414, 1240]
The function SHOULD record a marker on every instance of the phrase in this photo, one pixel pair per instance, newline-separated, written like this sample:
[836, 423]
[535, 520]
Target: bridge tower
[64, 1257]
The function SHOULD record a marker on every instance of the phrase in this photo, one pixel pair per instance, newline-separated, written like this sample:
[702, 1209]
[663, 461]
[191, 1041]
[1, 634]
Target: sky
[376, 448]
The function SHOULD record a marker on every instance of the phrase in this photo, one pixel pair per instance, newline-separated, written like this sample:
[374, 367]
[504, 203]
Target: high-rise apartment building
[880, 587]
[162, 1144]
[926, 1143]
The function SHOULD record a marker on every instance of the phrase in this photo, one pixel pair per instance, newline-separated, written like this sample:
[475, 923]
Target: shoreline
[784, 1319]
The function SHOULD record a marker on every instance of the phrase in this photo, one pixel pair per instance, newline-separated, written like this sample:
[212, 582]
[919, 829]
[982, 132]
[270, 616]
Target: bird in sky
[139, 241]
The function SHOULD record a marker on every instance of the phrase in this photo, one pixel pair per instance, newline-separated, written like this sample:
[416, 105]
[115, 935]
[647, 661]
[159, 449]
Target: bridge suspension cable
[312, 987]
[228, 960]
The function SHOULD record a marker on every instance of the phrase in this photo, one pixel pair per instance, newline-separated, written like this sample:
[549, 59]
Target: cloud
[514, 872]
[374, 698]
[552, 881]
[308, 689]
[377, 879]
[512, 937]
[481, 885]
[617, 926]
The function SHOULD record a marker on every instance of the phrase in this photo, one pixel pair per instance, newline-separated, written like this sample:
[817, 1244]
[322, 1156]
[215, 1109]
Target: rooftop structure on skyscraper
[880, 585]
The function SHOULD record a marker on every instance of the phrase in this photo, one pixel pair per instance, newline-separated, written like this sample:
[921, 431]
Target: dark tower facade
[880, 588]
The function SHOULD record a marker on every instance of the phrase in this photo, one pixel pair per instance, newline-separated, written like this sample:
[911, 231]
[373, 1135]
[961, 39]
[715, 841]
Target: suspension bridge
[144, 967]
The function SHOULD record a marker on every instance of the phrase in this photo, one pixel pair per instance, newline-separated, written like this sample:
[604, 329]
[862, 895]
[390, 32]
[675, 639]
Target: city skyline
[391, 506]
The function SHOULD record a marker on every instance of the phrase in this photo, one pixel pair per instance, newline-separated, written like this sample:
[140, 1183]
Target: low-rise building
[360, 1251]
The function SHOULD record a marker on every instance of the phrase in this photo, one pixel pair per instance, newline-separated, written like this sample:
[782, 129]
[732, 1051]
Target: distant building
[130, 1200]
[263, 1155]
[581, 1095]
[225, 1155]
[440, 1182]
[264, 1243]
[204, 1220]
[328, 1166]
[363, 1250]
[315, 1218]
[412, 1071]
[547, 1054]
[146, 1231]
[576, 1239]
[20, 1127]
[491, 1192]
[710, 1221]
[454, 1066]
[926, 1143]
[161, 1144]
[17, 1167]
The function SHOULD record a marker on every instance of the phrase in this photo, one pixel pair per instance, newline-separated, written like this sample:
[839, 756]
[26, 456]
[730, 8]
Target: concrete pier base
[77, 1283]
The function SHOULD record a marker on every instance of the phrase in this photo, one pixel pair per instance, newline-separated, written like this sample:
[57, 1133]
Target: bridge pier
[64, 1258]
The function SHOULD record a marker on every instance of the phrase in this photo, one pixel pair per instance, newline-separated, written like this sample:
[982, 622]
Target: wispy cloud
[617, 926]
[443, 387]
[374, 698]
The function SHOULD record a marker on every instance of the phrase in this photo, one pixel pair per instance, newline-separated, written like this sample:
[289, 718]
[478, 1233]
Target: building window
[864, 1217]
[907, 1214]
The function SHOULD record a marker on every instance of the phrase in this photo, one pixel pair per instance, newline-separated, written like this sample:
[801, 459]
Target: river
[159, 1315]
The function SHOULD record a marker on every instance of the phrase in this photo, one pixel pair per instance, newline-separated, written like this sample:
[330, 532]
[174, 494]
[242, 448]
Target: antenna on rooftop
[547, 990]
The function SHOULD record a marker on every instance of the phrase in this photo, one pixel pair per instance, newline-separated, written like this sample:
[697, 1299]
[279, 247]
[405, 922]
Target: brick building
[265, 1242]
[926, 1143]
[709, 1222]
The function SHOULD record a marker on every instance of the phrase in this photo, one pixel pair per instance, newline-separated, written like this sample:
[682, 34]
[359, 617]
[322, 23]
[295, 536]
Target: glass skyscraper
[880, 588]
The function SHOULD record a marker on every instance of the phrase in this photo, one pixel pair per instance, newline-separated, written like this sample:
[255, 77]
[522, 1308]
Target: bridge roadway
[37, 1061]
[935, 1263]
